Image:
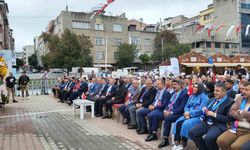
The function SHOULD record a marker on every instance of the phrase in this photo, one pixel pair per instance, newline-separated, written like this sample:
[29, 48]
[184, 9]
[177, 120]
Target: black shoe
[14, 101]
[151, 137]
[105, 117]
[138, 130]
[143, 131]
[125, 122]
[109, 117]
[132, 127]
[163, 143]
[98, 115]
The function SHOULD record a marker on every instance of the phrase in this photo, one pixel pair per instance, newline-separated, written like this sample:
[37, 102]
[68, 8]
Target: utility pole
[162, 49]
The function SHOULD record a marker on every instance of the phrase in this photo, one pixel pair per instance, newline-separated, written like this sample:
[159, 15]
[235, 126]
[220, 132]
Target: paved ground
[42, 123]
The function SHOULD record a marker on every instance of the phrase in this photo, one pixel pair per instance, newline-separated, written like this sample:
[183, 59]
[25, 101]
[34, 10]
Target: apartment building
[27, 52]
[106, 33]
[6, 34]
[237, 12]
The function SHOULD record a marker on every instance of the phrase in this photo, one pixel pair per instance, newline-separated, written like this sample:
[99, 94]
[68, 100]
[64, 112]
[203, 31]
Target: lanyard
[243, 104]
[218, 104]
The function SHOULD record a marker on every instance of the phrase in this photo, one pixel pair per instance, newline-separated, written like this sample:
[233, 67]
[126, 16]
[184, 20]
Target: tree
[69, 50]
[19, 62]
[167, 46]
[33, 60]
[145, 58]
[126, 54]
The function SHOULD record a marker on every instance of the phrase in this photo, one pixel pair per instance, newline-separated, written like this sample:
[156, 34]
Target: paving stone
[36, 127]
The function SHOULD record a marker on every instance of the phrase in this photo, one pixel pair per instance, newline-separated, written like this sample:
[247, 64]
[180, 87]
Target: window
[207, 17]
[242, 59]
[135, 40]
[217, 45]
[100, 55]
[116, 55]
[208, 44]
[226, 45]
[99, 41]
[245, 6]
[117, 41]
[219, 59]
[148, 53]
[99, 27]
[233, 46]
[193, 59]
[245, 20]
[147, 42]
[117, 28]
[80, 25]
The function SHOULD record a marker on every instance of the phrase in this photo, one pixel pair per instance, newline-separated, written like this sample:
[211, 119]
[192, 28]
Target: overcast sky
[30, 17]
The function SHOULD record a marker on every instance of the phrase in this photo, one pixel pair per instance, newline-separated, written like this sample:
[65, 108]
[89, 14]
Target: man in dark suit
[145, 98]
[116, 98]
[173, 110]
[99, 102]
[144, 102]
[230, 92]
[214, 120]
[80, 88]
[156, 109]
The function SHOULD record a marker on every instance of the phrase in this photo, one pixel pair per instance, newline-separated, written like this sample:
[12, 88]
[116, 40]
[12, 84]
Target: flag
[84, 97]
[97, 12]
[209, 31]
[238, 29]
[247, 30]
[110, 1]
[101, 9]
[221, 26]
[199, 27]
[230, 30]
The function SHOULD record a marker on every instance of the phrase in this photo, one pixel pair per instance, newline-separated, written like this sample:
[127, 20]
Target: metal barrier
[35, 86]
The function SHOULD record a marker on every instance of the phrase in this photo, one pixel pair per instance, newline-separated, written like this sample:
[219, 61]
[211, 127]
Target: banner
[175, 66]
[7, 61]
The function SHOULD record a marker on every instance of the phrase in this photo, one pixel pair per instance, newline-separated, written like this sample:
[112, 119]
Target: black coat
[120, 94]
[222, 114]
[148, 97]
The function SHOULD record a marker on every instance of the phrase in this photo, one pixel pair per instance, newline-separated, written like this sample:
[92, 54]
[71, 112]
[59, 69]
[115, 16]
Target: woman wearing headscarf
[191, 116]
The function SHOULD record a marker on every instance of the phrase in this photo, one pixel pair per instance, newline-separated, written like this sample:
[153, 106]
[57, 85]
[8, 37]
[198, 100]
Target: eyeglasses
[195, 85]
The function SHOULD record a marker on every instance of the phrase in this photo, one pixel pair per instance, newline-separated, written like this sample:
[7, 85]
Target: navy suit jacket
[164, 101]
[83, 88]
[148, 97]
[222, 113]
[180, 103]
[104, 90]
[231, 93]
[112, 91]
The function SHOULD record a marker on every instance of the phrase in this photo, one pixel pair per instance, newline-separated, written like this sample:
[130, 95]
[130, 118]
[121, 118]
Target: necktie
[157, 98]
[172, 102]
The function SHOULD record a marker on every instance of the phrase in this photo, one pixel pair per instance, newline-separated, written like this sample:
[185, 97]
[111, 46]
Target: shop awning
[216, 64]
[197, 64]
[103, 66]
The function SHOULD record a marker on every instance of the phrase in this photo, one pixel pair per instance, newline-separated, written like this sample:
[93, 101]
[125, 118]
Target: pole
[106, 53]
[162, 49]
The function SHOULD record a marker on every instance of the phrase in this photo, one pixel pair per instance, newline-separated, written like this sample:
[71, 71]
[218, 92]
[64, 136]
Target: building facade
[215, 19]
[27, 52]
[6, 34]
[106, 34]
